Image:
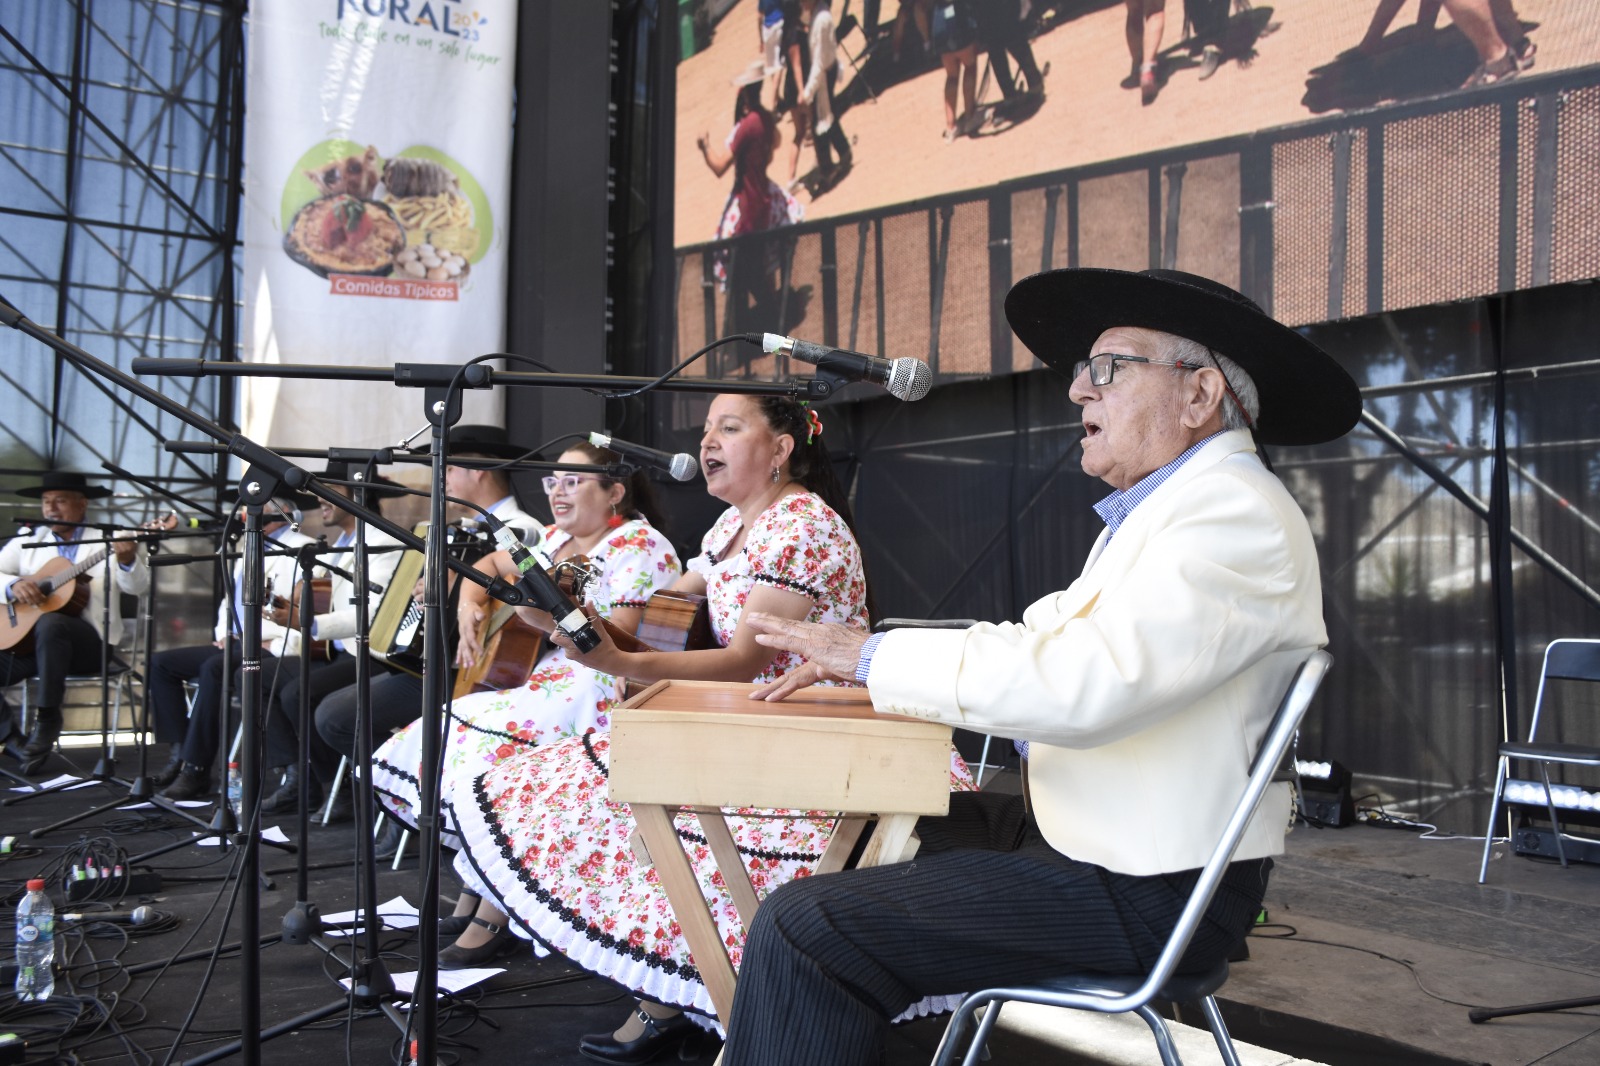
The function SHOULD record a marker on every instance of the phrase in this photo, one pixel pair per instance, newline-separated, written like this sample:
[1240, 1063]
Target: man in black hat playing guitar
[50, 627]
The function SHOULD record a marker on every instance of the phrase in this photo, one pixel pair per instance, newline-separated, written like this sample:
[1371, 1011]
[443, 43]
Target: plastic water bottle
[36, 944]
[236, 794]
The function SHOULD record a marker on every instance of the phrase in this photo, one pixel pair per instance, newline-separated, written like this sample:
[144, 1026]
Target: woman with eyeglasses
[615, 525]
[541, 840]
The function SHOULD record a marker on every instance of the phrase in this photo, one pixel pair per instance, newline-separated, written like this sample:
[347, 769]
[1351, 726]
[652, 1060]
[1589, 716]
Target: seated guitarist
[65, 639]
[394, 698]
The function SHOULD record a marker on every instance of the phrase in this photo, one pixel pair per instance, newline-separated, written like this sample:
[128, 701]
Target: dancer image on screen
[755, 203]
[955, 39]
[818, 93]
[784, 545]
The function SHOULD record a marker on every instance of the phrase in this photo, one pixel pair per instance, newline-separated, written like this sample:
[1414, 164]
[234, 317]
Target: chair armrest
[883, 625]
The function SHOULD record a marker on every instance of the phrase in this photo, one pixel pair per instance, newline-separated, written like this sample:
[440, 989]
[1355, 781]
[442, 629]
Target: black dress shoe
[46, 730]
[286, 800]
[502, 942]
[191, 783]
[33, 764]
[660, 1036]
[384, 848]
[168, 773]
[343, 809]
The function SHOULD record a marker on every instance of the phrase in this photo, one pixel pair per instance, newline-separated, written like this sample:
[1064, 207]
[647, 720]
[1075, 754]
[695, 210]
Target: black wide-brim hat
[1306, 397]
[479, 440]
[65, 481]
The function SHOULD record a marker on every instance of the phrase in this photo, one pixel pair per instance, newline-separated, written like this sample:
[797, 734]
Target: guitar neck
[77, 570]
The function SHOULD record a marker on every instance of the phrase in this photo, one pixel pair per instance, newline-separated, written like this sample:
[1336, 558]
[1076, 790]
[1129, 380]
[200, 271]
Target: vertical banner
[377, 173]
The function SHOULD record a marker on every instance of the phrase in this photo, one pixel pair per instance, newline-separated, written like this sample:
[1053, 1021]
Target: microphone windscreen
[684, 467]
[909, 379]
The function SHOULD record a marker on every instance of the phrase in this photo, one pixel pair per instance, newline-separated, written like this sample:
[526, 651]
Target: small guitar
[321, 597]
[65, 587]
[511, 647]
[673, 621]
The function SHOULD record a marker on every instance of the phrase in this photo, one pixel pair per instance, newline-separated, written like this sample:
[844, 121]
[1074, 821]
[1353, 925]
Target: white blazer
[339, 621]
[18, 562]
[281, 572]
[1146, 686]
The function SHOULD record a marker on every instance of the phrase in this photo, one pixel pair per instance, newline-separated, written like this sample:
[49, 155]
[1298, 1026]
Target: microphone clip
[824, 384]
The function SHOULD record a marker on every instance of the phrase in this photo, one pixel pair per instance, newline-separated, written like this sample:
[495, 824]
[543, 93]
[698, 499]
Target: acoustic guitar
[511, 647]
[65, 586]
[321, 597]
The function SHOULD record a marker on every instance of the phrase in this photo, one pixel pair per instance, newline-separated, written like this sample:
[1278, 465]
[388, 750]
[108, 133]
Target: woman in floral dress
[539, 834]
[610, 523]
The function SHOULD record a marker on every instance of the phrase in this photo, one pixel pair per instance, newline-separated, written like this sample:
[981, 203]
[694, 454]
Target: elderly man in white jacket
[45, 638]
[1144, 688]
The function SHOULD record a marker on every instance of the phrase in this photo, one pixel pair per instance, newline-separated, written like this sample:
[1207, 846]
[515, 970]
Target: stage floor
[1365, 923]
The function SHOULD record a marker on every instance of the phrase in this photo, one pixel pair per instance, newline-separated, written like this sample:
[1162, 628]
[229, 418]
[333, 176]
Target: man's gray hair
[1244, 390]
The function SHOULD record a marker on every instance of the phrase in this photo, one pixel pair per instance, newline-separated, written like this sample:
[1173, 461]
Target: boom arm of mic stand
[188, 504]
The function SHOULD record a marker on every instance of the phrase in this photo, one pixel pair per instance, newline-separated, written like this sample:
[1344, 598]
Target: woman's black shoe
[660, 1036]
[500, 944]
[451, 925]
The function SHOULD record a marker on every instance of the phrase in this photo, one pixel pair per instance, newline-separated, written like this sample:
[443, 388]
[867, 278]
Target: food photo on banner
[374, 215]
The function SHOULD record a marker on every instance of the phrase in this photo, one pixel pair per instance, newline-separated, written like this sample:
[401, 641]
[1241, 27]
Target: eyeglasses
[1102, 369]
[569, 482]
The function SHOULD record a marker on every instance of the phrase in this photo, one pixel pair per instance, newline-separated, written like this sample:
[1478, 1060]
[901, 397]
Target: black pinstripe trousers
[829, 960]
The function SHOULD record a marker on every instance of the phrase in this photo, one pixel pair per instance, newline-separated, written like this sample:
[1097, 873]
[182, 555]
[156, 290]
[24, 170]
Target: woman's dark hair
[810, 465]
[748, 100]
[808, 462]
[639, 495]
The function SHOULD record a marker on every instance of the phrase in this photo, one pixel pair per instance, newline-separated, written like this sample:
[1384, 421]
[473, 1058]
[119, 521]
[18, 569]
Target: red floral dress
[542, 838]
[562, 698]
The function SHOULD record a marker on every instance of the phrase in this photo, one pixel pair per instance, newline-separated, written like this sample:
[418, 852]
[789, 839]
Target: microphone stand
[265, 470]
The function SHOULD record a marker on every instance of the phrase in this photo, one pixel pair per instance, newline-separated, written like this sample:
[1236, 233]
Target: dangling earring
[616, 520]
[774, 475]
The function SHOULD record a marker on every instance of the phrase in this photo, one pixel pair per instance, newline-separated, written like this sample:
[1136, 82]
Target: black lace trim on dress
[565, 914]
[786, 583]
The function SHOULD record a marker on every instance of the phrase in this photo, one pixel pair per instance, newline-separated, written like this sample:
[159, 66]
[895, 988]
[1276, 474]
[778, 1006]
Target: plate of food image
[345, 235]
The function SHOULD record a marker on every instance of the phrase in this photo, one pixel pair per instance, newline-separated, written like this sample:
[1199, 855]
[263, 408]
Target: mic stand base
[140, 791]
[371, 988]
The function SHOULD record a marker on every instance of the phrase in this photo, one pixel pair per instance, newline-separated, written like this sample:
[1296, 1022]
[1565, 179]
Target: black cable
[1292, 934]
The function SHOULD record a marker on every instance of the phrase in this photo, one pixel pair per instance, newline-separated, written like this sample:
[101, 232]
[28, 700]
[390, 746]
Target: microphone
[905, 378]
[203, 523]
[137, 916]
[682, 466]
[541, 588]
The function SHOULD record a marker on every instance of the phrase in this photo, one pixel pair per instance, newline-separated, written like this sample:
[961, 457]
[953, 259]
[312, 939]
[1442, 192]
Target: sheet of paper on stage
[449, 980]
[396, 914]
[53, 782]
[272, 833]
